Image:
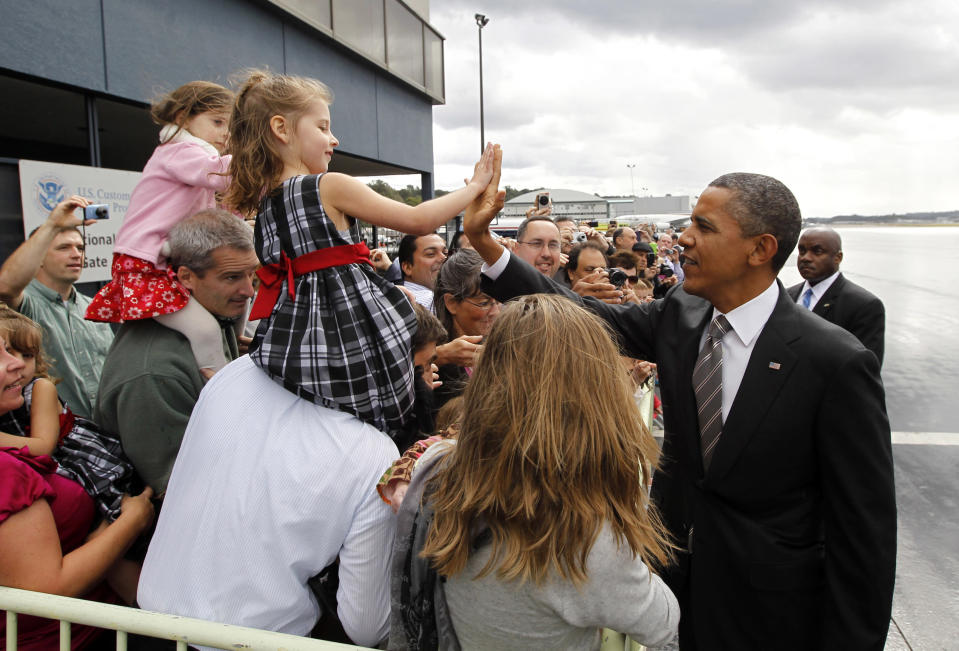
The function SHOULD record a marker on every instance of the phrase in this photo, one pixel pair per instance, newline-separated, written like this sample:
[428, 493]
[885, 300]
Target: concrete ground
[925, 610]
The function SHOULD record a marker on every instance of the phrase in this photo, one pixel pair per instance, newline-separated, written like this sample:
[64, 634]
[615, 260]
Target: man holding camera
[669, 257]
[38, 281]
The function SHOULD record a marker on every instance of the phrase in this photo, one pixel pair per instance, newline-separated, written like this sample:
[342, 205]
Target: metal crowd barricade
[123, 620]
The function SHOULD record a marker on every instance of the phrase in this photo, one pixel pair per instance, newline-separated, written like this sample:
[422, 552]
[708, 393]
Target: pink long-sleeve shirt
[179, 180]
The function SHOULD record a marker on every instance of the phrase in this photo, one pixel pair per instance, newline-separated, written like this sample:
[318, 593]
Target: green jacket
[148, 387]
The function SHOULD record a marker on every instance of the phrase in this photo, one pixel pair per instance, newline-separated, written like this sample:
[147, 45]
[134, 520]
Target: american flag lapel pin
[775, 366]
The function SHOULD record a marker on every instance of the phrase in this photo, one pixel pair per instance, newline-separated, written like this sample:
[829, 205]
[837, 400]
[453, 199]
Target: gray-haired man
[150, 380]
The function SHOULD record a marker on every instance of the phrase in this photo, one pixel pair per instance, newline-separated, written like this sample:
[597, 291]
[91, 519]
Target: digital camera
[97, 211]
[617, 277]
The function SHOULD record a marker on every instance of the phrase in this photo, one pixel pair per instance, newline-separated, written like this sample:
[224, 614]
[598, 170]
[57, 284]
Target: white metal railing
[123, 620]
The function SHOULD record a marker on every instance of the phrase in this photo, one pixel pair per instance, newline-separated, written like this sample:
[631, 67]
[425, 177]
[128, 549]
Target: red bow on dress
[273, 275]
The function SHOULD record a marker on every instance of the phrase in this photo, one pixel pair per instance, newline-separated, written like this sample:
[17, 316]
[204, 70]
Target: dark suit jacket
[793, 528]
[853, 308]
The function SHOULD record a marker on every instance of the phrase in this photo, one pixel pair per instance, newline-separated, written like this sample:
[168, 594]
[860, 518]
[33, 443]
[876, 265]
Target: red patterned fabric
[138, 291]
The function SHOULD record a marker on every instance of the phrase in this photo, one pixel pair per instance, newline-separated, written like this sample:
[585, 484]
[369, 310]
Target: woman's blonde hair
[256, 165]
[188, 100]
[25, 336]
[551, 450]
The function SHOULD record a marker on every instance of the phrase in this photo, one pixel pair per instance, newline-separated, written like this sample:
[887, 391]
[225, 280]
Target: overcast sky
[854, 105]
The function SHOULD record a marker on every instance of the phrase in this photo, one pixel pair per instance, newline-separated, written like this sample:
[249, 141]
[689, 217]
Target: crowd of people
[442, 450]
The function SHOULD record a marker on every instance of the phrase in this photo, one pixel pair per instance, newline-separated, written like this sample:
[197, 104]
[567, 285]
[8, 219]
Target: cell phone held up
[96, 211]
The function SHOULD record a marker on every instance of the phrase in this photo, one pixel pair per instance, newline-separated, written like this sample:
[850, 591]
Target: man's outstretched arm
[481, 212]
[24, 263]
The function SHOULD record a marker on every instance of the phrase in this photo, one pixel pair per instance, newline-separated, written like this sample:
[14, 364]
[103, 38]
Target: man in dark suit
[833, 297]
[785, 518]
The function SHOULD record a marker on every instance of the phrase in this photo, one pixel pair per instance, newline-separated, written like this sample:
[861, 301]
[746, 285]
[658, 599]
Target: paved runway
[925, 610]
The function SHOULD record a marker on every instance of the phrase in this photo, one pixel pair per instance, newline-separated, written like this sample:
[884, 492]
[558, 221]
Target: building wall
[133, 49]
[126, 52]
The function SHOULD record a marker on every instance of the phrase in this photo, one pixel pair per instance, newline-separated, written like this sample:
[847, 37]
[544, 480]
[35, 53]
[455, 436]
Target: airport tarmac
[925, 609]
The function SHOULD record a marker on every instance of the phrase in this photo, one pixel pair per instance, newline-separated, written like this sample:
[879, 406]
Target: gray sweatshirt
[620, 593]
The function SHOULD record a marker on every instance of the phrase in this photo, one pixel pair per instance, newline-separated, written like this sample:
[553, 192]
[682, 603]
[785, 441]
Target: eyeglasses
[486, 304]
[539, 244]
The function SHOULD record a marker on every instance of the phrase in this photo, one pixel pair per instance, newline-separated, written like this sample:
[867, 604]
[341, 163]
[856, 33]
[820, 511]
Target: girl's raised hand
[483, 170]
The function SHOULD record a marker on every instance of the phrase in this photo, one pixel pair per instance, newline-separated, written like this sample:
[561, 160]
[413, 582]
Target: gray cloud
[713, 21]
[853, 104]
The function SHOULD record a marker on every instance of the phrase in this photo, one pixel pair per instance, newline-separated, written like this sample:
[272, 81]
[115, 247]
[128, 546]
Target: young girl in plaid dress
[181, 178]
[82, 451]
[332, 330]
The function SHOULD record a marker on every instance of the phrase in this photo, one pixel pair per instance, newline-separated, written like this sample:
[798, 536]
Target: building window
[315, 12]
[434, 62]
[404, 42]
[40, 122]
[386, 32]
[360, 23]
[127, 135]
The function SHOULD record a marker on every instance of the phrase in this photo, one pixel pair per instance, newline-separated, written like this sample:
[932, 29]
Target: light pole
[481, 22]
[631, 184]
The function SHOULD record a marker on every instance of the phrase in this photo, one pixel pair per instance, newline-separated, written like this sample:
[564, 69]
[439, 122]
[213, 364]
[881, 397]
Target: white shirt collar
[819, 288]
[172, 133]
[749, 318]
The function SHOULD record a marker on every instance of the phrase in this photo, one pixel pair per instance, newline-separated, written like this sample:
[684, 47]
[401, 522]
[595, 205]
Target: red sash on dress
[272, 275]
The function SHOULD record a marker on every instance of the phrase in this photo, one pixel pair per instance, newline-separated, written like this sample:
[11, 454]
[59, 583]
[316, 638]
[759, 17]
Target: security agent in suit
[787, 534]
[831, 295]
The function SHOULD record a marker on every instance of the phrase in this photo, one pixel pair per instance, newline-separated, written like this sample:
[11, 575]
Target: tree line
[411, 194]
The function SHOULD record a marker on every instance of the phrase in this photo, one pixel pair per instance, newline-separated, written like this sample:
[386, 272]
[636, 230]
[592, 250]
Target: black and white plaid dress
[86, 454]
[344, 341]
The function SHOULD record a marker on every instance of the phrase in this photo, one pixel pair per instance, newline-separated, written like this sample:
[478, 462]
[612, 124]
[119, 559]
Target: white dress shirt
[267, 490]
[422, 294]
[747, 321]
[818, 290]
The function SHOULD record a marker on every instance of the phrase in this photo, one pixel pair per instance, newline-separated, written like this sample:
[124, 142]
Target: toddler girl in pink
[182, 177]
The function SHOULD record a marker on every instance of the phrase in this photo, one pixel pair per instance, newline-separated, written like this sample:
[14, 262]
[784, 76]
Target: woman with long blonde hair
[537, 520]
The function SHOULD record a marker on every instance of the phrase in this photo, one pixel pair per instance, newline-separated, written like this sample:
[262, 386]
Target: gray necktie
[708, 386]
[807, 298]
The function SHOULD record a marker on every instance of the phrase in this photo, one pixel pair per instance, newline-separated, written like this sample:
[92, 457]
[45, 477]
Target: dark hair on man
[521, 231]
[428, 329]
[624, 260]
[407, 249]
[573, 263]
[617, 234]
[762, 204]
